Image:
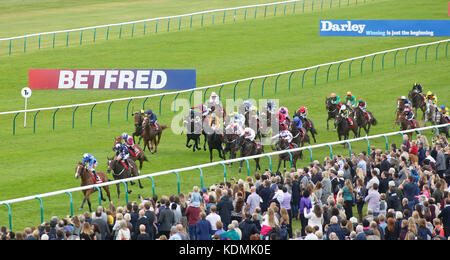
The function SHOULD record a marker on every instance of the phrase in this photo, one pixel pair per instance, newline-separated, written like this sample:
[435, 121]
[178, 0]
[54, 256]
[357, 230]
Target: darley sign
[122, 79]
[384, 27]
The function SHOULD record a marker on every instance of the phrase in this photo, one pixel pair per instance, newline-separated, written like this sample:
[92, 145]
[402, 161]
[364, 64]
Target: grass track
[45, 161]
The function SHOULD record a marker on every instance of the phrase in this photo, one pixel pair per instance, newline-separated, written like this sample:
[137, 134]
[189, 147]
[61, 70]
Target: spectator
[248, 227]
[213, 218]
[99, 219]
[203, 228]
[315, 217]
[335, 228]
[193, 216]
[253, 201]
[373, 200]
[143, 235]
[225, 207]
[124, 232]
[445, 217]
[166, 220]
[86, 232]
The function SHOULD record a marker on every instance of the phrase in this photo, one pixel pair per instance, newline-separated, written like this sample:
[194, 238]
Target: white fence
[373, 55]
[219, 163]
[144, 27]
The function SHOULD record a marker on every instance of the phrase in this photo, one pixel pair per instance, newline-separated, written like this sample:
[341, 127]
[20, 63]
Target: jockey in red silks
[283, 118]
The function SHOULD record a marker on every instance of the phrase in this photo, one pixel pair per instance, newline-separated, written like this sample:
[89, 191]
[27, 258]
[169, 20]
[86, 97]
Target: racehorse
[150, 135]
[119, 172]
[344, 128]
[442, 121]
[297, 136]
[231, 145]
[138, 120]
[194, 130]
[214, 138]
[332, 109]
[249, 148]
[282, 144]
[406, 124]
[139, 153]
[308, 125]
[88, 179]
[418, 101]
[364, 120]
[431, 114]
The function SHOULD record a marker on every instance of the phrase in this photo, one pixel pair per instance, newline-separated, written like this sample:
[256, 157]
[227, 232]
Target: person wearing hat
[214, 99]
[444, 112]
[431, 98]
[417, 88]
[152, 118]
[350, 100]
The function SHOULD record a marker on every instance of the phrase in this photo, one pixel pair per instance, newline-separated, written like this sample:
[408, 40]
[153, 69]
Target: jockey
[344, 112]
[302, 112]
[238, 119]
[249, 134]
[204, 110]
[350, 100]
[404, 101]
[298, 124]
[254, 112]
[444, 111]
[409, 114]
[234, 128]
[92, 164]
[417, 88]
[122, 154]
[214, 99]
[271, 106]
[431, 98]
[247, 105]
[214, 121]
[282, 119]
[128, 141]
[335, 99]
[362, 104]
[152, 118]
[287, 135]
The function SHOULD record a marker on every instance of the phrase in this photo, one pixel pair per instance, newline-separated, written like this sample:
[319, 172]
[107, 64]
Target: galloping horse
[214, 138]
[119, 172]
[406, 124]
[297, 136]
[88, 179]
[150, 134]
[248, 149]
[138, 120]
[418, 101]
[139, 156]
[282, 144]
[308, 125]
[231, 145]
[194, 131]
[344, 128]
[364, 120]
[332, 110]
[431, 114]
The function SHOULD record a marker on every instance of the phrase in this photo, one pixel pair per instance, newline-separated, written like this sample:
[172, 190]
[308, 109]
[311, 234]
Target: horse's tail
[163, 127]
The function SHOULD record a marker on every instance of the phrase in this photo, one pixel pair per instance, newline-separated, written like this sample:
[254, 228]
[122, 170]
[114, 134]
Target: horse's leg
[210, 154]
[240, 166]
[84, 200]
[328, 119]
[106, 188]
[258, 167]
[279, 164]
[118, 190]
[204, 144]
[188, 139]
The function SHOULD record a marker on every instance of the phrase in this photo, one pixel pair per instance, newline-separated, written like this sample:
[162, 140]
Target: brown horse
[364, 120]
[87, 179]
[151, 136]
[418, 101]
[140, 156]
[138, 120]
[405, 124]
[332, 110]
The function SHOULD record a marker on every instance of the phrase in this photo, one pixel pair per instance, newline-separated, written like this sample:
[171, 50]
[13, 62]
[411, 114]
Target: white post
[26, 93]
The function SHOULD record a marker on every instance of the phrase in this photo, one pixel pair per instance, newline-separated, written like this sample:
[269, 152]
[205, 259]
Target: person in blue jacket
[122, 154]
[152, 118]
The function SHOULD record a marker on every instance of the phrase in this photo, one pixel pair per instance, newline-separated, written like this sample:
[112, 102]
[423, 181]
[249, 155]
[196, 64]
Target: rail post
[328, 71]
[153, 183]
[178, 180]
[42, 208]
[71, 202]
[160, 104]
[201, 177]
[224, 172]
[303, 76]
[262, 88]
[128, 107]
[34, 121]
[276, 82]
[250, 87]
[14, 123]
[109, 112]
[73, 117]
[315, 75]
[270, 162]
[92, 110]
[9, 214]
[126, 190]
[54, 114]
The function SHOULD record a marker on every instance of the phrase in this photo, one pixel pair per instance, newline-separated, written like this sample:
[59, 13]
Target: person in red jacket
[193, 216]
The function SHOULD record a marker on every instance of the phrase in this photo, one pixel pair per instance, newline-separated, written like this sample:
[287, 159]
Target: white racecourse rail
[196, 167]
[227, 83]
[149, 20]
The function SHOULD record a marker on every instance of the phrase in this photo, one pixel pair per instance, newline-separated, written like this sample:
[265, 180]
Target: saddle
[96, 181]
[350, 122]
[368, 117]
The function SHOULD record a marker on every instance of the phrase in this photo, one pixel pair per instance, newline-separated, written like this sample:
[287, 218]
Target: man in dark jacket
[151, 217]
[334, 227]
[142, 220]
[296, 196]
[393, 200]
[203, 228]
[225, 207]
[266, 195]
[166, 220]
[247, 227]
[104, 229]
[445, 216]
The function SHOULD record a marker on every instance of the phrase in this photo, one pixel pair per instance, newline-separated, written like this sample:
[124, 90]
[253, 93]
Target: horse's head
[138, 118]
[145, 121]
[79, 170]
[110, 162]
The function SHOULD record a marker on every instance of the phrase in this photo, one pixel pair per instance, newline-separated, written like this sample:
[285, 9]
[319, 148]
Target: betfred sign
[122, 79]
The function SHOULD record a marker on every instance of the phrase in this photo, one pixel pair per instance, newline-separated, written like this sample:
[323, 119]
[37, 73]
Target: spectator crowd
[400, 194]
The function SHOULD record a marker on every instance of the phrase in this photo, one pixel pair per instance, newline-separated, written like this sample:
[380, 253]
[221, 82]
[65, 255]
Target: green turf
[45, 161]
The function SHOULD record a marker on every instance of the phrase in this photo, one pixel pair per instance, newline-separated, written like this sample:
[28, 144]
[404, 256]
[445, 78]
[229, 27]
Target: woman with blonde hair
[284, 222]
[87, 233]
[347, 195]
[124, 232]
[412, 226]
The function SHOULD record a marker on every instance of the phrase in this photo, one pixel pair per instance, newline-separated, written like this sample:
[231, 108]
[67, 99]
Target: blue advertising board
[387, 28]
